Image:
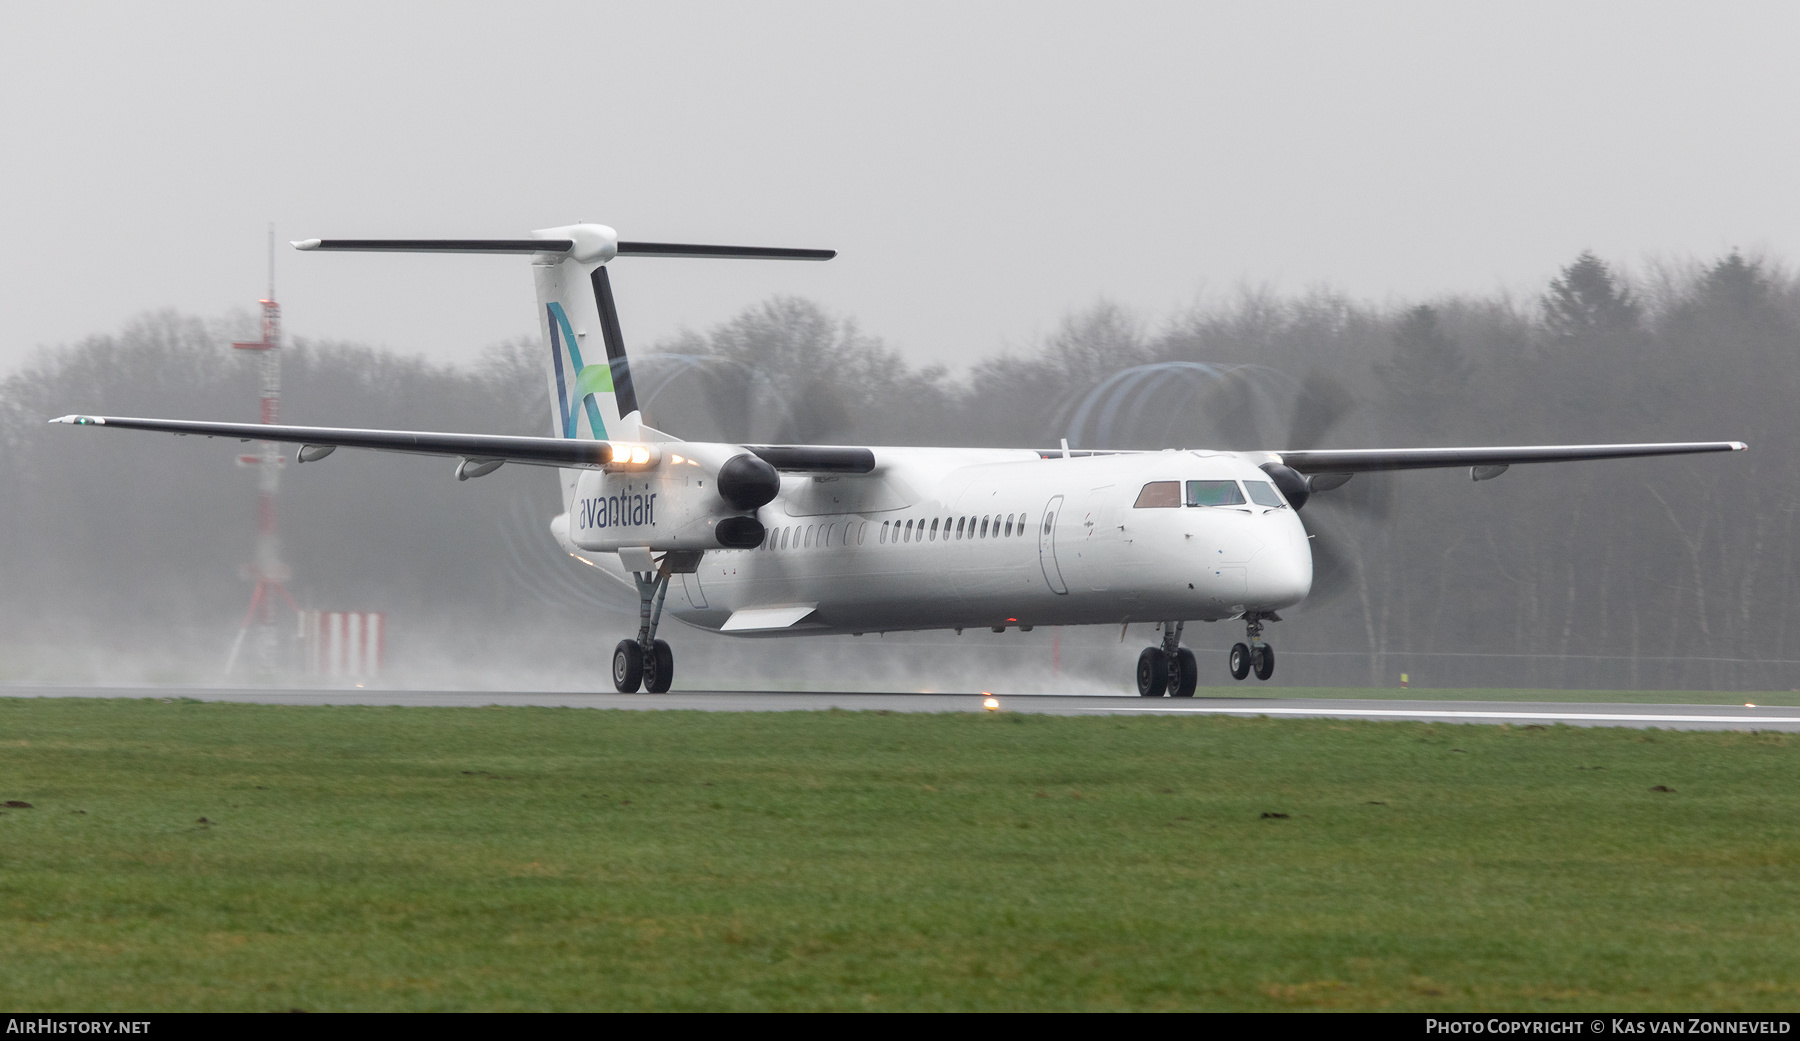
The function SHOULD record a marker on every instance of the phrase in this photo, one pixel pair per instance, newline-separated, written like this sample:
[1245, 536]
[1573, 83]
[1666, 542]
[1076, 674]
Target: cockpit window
[1214, 493]
[1159, 494]
[1262, 493]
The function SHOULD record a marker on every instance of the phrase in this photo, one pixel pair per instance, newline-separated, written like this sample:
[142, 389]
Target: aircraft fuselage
[968, 538]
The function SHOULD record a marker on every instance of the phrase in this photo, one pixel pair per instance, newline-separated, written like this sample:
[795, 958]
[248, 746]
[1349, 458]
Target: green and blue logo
[589, 379]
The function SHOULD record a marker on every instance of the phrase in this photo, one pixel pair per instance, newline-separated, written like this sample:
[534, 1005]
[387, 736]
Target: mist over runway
[1517, 713]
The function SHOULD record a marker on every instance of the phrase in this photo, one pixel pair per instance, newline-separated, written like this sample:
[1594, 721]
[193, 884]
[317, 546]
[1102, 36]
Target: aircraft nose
[1282, 573]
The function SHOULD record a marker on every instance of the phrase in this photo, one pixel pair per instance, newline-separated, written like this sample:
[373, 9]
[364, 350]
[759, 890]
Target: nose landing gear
[1169, 669]
[645, 661]
[1256, 656]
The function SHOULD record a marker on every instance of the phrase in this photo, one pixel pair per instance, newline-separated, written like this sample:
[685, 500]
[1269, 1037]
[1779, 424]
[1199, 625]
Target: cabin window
[960, 521]
[1021, 524]
[1009, 520]
[984, 521]
[861, 530]
[1262, 493]
[1214, 493]
[1158, 495]
[934, 524]
[1049, 521]
[882, 536]
[907, 537]
[830, 533]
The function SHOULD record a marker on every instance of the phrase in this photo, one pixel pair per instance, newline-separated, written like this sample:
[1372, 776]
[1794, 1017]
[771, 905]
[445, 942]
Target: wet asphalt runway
[1671, 717]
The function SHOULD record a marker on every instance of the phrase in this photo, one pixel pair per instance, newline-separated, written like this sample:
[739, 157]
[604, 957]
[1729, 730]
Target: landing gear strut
[645, 661]
[1168, 669]
[1256, 656]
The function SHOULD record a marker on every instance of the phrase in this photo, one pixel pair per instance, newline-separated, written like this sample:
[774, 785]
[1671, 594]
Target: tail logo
[589, 379]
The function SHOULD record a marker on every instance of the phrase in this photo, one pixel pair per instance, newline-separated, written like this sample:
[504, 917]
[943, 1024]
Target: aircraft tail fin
[591, 393]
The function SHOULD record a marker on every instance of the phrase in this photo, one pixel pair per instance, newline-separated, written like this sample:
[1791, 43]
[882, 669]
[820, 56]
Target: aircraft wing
[535, 451]
[1360, 460]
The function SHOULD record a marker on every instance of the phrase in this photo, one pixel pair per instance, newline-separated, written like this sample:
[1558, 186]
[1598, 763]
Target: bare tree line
[1636, 574]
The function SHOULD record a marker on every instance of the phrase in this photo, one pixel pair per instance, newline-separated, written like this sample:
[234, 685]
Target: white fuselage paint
[1078, 553]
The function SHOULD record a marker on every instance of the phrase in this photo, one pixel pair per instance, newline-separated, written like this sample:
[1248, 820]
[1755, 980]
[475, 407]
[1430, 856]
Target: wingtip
[307, 243]
[80, 420]
[1739, 446]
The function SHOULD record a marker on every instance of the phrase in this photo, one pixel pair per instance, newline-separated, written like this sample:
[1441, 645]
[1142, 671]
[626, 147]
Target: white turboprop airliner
[800, 540]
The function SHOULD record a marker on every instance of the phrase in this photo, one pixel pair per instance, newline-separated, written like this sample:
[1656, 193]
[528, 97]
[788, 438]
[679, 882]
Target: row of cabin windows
[812, 536]
[1156, 494]
[820, 536]
[992, 526]
[1162, 494]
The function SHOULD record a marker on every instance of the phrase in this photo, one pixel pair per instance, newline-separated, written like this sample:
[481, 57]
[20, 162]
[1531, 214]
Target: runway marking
[1447, 713]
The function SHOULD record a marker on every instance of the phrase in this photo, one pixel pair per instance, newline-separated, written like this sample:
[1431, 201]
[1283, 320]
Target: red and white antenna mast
[266, 568]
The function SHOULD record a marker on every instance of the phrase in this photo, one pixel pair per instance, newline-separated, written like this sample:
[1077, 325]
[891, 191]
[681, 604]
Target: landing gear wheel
[1240, 661]
[1265, 662]
[628, 666]
[1152, 672]
[659, 669]
[1184, 674]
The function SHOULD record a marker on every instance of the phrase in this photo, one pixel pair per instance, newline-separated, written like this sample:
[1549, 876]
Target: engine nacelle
[1293, 484]
[686, 496]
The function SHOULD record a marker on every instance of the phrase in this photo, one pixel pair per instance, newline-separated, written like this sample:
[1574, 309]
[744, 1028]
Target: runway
[1543, 713]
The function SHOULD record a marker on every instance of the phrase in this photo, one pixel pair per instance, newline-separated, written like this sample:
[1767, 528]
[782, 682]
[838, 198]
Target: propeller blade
[1323, 403]
[1334, 570]
[1371, 496]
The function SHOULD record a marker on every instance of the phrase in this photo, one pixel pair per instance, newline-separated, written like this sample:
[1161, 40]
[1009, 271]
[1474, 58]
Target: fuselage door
[1047, 546]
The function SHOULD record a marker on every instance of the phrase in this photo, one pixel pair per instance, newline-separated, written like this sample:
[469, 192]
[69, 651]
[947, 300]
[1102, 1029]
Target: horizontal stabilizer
[439, 245]
[624, 249]
[681, 249]
[532, 451]
[1358, 460]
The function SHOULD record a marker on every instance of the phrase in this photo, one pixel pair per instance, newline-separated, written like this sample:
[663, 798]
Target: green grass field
[180, 855]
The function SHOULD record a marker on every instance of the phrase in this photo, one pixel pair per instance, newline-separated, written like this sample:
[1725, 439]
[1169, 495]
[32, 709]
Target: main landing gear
[1257, 656]
[646, 661]
[1168, 669]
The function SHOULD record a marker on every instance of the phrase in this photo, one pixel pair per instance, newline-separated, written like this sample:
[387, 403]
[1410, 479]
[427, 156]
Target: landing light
[629, 456]
[991, 703]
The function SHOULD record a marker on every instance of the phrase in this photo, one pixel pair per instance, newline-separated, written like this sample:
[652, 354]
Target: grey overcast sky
[984, 168]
